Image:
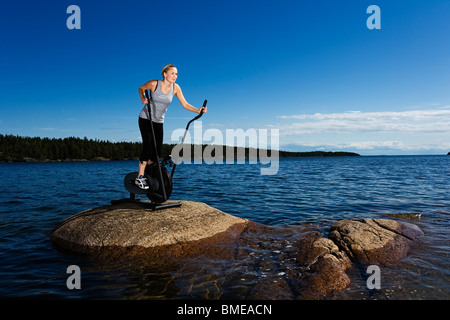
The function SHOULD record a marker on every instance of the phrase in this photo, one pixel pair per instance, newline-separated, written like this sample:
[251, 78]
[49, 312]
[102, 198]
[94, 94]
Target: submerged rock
[134, 227]
[374, 240]
[318, 270]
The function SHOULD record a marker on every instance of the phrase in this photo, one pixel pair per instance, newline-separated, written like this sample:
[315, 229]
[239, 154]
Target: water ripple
[306, 194]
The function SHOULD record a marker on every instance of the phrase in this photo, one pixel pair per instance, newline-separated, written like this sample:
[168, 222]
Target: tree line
[16, 149]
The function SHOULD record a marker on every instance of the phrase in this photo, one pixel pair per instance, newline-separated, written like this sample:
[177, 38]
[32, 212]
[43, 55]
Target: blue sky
[311, 69]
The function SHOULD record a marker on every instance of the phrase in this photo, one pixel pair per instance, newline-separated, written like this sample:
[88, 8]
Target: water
[306, 194]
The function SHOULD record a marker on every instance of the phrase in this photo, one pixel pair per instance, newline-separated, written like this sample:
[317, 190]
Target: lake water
[306, 194]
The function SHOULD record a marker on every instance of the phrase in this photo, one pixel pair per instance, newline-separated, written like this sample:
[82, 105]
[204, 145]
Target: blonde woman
[162, 92]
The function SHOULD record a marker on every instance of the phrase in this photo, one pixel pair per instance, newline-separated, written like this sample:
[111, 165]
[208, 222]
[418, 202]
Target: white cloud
[418, 131]
[424, 121]
[360, 145]
[373, 145]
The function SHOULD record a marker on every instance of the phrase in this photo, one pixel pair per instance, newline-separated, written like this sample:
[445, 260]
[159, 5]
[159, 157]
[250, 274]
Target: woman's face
[171, 75]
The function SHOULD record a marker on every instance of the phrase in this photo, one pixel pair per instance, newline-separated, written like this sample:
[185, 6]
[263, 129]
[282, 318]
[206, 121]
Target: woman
[162, 92]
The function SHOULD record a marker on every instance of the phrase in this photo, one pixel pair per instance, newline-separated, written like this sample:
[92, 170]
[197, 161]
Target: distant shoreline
[36, 149]
[282, 154]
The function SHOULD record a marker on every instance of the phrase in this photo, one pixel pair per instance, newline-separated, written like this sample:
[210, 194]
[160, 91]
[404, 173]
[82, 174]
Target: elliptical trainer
[158, 177]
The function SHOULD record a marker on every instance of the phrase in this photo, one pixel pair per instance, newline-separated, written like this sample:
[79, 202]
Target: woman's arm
[183, 101]
[149, 85]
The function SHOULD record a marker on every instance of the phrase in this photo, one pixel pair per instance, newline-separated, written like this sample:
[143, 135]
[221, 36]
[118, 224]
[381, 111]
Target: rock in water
[135, 226]
[374, 240]
[323, 266]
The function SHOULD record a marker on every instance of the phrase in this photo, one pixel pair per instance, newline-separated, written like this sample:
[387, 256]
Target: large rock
[324, 262]
[128, 227]
[322, 265]
[374, 240]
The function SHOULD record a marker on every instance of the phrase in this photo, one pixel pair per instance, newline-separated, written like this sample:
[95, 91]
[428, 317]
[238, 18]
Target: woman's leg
[147, 145]
[142, 165]
[159, 135]
[148, 155]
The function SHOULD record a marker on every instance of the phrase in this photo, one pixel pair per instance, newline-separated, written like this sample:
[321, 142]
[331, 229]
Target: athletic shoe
[141, 182]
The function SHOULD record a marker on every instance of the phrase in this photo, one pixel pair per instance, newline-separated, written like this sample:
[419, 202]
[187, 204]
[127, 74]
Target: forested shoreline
[19, 149]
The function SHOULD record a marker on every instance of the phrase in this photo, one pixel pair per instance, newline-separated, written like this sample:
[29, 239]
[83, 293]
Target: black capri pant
[148, 150]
